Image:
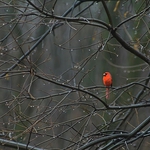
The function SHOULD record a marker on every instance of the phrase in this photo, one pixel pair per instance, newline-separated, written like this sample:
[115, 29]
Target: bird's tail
[107, 93]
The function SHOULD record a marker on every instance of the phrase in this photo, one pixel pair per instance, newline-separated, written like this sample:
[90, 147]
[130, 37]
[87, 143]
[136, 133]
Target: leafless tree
[53, 54]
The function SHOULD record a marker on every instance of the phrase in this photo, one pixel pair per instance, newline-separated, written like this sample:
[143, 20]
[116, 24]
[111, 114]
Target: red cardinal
[107, 80]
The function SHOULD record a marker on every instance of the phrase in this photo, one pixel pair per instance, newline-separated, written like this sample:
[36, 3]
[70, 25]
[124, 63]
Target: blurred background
[53, 54]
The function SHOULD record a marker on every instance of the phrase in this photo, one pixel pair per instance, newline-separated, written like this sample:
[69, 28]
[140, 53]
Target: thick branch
[128, 47]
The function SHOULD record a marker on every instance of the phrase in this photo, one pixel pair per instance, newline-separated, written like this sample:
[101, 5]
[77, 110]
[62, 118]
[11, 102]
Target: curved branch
[73, 88]
[128, 47]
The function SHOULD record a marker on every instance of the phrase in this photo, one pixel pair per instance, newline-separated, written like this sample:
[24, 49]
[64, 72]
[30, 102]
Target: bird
[107, 81]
